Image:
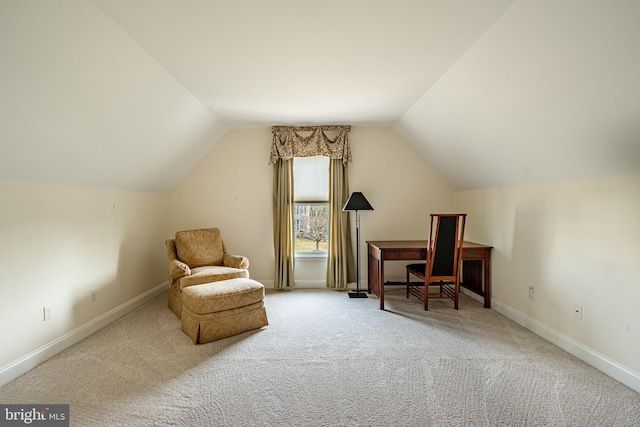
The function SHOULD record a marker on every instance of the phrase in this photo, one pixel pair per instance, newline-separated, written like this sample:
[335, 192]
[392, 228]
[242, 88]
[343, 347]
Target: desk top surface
[415, 244]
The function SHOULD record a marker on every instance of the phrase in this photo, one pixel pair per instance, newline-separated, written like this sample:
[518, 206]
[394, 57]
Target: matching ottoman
[216, 310]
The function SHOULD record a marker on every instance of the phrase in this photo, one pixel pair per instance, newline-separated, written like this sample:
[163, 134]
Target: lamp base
[357, 295]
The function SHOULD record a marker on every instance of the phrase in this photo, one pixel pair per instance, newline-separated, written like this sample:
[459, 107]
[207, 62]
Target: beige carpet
[327, 360]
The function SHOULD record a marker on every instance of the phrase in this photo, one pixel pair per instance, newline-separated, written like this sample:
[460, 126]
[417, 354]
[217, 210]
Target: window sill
[308, 256]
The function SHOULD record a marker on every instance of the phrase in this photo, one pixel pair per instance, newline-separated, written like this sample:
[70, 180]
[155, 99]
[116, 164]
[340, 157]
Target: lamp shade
[357, 202]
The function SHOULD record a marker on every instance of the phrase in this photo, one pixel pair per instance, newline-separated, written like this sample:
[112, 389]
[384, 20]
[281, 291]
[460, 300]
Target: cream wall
[231, 188]
[576, 243]
[58, 243]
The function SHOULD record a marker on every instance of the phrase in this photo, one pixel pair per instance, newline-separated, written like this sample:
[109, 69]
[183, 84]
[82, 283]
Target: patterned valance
[288, 143]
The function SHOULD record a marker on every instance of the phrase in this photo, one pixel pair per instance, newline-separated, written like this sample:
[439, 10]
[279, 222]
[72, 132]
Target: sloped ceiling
[132, 93]
[550, 92]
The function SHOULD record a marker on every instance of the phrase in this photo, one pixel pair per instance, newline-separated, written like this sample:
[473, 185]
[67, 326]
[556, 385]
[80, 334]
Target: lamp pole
[357, 293]
[357, 202]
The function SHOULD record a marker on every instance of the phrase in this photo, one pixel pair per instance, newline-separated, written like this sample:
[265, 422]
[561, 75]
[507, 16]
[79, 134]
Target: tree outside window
[312, 227]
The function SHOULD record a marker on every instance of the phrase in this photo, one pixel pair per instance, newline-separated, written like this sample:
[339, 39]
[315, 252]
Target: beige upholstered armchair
[197, 257]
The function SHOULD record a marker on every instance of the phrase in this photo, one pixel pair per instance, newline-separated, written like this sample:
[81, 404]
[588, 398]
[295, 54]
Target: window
[311, 213]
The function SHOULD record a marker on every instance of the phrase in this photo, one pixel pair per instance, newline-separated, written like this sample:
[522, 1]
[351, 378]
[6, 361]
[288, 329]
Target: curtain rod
[312, 128]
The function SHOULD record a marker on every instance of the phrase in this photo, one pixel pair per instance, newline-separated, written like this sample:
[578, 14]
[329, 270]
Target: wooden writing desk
[476, 266]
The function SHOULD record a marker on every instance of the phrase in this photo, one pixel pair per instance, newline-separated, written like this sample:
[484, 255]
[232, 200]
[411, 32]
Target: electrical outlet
[264, 263]
[48, 312]
[532, 292]
[577, 311]
[92, 295]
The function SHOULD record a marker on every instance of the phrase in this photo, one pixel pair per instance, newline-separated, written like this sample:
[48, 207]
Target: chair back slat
[444, 253]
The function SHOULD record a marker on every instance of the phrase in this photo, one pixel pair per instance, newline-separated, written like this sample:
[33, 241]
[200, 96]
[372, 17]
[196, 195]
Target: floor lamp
[357, 202]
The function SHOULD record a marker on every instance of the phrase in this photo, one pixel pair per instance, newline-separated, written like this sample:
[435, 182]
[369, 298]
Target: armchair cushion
[197, 248]
[206, 274]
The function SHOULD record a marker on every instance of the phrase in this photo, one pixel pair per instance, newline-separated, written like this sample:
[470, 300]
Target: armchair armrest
[178, 269]
[235, 261]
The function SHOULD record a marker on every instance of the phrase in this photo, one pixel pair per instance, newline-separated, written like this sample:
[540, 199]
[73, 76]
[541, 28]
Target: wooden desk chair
[444, 254]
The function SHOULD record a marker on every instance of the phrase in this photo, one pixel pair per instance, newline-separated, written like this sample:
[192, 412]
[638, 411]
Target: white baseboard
[602, 363]
[29, 361]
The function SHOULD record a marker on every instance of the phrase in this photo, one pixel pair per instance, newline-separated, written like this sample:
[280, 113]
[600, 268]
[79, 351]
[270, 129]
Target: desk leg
[375, 281]
[487, 281]
[371, 275]
[477, 278]
[381, 283]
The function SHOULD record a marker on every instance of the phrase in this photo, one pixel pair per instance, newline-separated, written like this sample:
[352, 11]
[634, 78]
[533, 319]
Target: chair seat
[417, 269]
